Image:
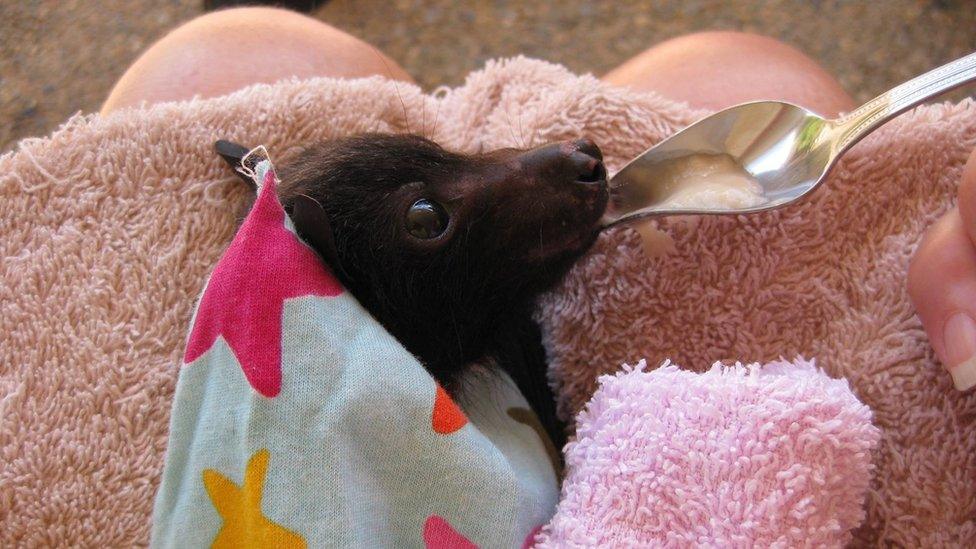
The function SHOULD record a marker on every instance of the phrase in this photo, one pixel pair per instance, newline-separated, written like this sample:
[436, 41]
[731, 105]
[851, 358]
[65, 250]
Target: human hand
[942, 284]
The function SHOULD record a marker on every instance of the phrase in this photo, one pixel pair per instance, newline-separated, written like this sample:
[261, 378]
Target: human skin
[942, 283]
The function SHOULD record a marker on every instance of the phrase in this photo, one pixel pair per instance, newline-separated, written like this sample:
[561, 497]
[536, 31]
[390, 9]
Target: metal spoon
[759, 156]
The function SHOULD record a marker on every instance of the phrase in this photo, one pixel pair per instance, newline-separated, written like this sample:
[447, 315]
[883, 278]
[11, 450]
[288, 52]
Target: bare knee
[223, 51]
[718, 69]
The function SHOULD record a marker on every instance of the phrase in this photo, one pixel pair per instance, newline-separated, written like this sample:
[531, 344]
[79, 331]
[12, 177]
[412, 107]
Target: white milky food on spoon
[698, 182]
[708, 182]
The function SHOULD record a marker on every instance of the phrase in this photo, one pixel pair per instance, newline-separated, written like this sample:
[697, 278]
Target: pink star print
[439, 534]
[264, 265]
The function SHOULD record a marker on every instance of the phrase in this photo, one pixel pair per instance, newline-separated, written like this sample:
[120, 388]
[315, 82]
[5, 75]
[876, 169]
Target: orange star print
[447, 417]
[245, 525]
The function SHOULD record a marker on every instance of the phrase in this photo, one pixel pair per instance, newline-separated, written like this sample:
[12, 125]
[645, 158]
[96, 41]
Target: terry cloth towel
[299, 421]
[111, 225]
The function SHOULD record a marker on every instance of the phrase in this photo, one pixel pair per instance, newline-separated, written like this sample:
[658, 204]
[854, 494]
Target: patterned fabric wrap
[299, 421]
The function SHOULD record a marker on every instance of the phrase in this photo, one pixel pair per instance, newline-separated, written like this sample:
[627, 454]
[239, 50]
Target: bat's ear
[234, 154]
[311, 221]
[312, 224]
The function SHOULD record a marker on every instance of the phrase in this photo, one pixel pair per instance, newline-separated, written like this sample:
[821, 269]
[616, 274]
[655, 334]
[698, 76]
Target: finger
[967, 197]
[942, 285]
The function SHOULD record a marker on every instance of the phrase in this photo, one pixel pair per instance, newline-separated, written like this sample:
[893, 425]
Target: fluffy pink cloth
[733, 457]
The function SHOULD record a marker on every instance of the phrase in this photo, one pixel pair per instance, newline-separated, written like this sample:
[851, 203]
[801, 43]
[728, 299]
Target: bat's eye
[426, 219]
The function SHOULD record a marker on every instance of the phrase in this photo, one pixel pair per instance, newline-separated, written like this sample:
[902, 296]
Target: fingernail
[960, 345]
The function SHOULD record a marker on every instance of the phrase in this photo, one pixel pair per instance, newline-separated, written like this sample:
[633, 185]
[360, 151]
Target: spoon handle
[863, 120]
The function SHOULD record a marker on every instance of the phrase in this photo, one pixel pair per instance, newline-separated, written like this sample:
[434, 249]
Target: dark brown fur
[518, 220]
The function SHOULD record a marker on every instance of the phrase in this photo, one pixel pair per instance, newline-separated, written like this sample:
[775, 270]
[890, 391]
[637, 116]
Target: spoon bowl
[758, 156]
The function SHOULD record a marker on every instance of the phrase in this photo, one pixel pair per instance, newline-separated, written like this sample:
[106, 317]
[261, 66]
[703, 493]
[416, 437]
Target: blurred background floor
[58, 57]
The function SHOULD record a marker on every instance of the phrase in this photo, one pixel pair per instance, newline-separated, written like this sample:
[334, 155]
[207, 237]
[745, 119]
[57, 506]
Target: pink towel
[733, 457]
[106, 243]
